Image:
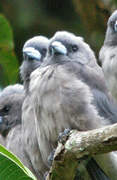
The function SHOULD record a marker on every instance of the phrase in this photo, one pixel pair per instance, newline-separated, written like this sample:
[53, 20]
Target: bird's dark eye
[115, 26]
[44, 51]
[6, 108]
[74, 48]
[111, 23]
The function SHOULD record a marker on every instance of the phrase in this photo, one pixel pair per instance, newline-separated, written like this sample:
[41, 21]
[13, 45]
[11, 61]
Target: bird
[29, 139]
[34, 51]
[108, 55]
[11, 99]
[62, 91]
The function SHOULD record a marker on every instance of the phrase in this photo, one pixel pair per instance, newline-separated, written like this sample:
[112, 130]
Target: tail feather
[95, 172]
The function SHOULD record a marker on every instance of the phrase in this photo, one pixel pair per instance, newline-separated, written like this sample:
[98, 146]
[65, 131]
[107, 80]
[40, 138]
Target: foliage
[8, 60]
[12, 168]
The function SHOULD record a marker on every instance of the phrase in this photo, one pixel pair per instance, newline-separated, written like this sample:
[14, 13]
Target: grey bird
[34, 51]
[108, 55]
[62, 91]
[11, 99]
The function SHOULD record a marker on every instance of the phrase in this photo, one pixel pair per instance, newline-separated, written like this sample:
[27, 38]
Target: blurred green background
[27, 18]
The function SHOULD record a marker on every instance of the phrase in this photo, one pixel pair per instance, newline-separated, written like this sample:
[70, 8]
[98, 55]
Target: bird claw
[51, 157]
[63, 136]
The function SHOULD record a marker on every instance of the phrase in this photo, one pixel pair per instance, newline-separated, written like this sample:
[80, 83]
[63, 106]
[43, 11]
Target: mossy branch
[79, 145]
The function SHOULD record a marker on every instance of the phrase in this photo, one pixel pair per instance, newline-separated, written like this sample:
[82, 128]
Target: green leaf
[11, 167]
[8, 60]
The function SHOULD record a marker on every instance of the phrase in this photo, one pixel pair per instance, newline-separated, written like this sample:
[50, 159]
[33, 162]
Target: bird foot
[63, 136]
[51, 157]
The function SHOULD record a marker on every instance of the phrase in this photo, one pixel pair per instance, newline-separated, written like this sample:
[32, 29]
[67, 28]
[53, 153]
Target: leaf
[8, 60]
[12, 168]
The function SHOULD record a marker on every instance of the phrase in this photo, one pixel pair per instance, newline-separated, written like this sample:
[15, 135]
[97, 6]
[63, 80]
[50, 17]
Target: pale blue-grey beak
[32, 53]
[1, 120]
[59, 48]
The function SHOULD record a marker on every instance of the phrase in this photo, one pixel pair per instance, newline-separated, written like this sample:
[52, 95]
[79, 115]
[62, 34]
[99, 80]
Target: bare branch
[79, 145]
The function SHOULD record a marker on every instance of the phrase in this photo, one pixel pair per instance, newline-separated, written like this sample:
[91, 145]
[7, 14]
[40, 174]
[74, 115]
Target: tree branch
[80, 145]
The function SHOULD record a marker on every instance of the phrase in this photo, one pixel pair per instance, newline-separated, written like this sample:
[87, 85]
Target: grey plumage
[108, 55]
[11, 99]
[31, 61]
[14, 144]
[2, 140]
[62, 91]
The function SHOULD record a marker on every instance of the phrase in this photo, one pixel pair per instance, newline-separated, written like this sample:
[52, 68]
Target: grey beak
[32, 53]
[1, 120]
[58, 47]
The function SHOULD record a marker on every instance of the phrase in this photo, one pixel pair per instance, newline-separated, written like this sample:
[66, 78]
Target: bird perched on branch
[29, 137]
[108, 54]
[34, 51]
[63, 91]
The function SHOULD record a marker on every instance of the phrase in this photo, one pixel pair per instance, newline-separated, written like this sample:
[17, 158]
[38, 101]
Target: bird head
[65, 46]
[111, 33]
[34, 51]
